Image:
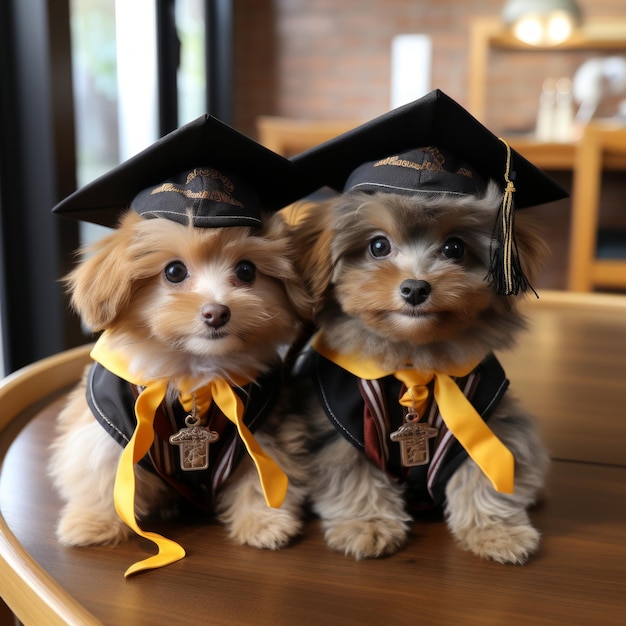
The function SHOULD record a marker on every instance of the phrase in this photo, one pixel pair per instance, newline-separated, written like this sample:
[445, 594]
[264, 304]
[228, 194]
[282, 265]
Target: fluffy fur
[461, 318]
[165, 329]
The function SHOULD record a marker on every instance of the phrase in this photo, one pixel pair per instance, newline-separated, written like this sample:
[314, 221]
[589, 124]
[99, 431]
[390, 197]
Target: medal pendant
[413, 437]
[193, 442]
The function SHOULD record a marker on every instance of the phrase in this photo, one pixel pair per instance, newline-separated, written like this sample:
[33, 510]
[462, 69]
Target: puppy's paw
[502, 542]
[263, 528]
[85, 528]
[366, 538]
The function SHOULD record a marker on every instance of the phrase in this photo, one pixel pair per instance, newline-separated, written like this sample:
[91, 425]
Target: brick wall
[325, 59]
[330, 59]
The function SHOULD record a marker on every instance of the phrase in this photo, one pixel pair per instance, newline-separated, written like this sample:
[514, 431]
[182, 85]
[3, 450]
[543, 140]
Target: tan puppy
[189, 305]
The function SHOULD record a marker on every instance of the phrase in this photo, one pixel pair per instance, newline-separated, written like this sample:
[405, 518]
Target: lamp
[541, 22]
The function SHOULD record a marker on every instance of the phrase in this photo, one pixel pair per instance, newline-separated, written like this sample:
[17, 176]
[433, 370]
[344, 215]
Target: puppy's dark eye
[245, 271]
[380, 247]
[453, 248]
[175, 272]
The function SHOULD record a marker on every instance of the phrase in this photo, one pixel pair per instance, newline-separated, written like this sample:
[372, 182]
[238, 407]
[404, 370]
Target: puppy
[400, 282]
[187, 305]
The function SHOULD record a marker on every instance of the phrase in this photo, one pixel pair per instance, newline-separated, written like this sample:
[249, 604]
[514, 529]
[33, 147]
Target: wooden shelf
[607, 33]
[487, 33]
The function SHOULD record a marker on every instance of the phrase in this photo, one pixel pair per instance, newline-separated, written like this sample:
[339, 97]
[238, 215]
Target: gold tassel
[505, 271]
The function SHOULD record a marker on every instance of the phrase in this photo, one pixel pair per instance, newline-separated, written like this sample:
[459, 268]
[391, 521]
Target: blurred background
[85, 84]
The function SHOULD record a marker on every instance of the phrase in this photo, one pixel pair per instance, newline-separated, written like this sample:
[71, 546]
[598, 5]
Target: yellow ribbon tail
[488, 452]
[274, 481]
[124, 491]
[169, 552]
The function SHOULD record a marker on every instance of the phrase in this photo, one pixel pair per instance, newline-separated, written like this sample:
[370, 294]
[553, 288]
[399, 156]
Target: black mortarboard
[434, 145]
[205, 166]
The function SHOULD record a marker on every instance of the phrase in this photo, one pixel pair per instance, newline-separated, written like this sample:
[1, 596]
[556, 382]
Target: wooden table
[570, 370]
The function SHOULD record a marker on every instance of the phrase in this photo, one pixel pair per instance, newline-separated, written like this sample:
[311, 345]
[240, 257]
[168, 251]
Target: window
[52, 141]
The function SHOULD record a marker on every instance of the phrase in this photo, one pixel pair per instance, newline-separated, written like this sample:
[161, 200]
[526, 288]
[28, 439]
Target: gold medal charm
[193, 443]
[413, 438]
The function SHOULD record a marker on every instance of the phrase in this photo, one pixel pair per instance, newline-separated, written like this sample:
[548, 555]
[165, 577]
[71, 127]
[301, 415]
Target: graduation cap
[205, 169]
[434, 146]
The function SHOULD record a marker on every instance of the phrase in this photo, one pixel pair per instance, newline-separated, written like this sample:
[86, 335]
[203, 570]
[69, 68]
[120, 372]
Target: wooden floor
[570, 370]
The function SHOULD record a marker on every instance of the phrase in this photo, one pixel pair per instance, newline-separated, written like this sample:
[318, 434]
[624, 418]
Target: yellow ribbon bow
[273, 479]
[488, 452]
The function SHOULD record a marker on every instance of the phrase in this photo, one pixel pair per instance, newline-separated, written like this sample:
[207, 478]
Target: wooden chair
[288, 136]
[31, 593]
[601, 147]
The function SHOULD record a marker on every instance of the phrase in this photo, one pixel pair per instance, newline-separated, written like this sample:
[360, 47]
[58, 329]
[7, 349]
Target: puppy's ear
[312, 236]
[100, 285]
[283, 266]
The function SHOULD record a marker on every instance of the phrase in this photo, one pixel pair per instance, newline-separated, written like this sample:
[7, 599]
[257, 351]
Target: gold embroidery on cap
[424, 165]
[436, 165]
[214, 174]
[214, 195]
[465, 172]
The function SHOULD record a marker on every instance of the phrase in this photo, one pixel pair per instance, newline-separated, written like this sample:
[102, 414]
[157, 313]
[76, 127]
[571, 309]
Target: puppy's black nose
[415, 291]
[215, 315]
